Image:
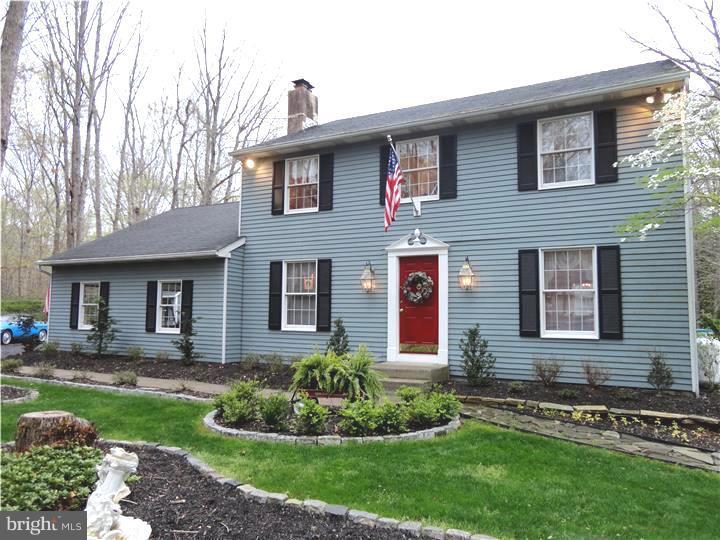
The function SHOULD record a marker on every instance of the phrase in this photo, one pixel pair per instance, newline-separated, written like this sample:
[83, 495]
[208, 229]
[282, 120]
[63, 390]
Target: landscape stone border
[109, 388]
[594, 409]
[33, 394]
[327, 440]
[411, 528]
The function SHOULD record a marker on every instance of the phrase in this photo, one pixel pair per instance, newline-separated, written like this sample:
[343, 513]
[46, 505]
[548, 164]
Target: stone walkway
[611, 440]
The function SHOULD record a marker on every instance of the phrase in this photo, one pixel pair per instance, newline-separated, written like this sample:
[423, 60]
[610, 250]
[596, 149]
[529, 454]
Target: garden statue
[104, 515]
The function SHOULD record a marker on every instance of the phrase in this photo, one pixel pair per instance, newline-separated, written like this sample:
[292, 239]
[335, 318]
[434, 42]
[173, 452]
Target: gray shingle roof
[183, 231]
[476, 105]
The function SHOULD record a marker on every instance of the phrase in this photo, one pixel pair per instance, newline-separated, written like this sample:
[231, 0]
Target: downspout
[224, 310]
[49, 274]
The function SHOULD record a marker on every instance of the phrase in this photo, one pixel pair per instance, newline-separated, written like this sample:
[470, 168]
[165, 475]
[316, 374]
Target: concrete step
[413, 371]
[391, 385]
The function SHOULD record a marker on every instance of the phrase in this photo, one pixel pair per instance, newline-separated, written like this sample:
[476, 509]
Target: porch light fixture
[250, 163]
[367, 278]
[658, 98]
[466, 276]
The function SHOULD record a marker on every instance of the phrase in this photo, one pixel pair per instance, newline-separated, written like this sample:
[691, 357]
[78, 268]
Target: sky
[370, 56]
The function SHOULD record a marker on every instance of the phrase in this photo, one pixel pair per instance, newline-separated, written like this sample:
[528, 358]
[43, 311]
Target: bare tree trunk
[12, 38]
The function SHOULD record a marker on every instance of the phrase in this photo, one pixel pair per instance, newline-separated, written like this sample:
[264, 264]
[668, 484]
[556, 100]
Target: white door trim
[405, 247]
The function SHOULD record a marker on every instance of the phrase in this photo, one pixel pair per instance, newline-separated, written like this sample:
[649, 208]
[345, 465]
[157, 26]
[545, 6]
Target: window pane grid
[300, 293]
[90, 301]
[419, 162]
[566, 149]
[170, 304]
[302, 183]
[569, 290]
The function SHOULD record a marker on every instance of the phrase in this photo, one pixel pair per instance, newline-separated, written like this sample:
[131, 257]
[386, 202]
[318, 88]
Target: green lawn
[482, 479]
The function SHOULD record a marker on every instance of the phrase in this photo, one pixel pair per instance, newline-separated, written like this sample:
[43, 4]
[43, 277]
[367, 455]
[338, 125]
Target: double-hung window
[89, 304]
[169, 306]
[419, 163]
[569, 302]
[301, 184]
[565, 151]
[299, 295]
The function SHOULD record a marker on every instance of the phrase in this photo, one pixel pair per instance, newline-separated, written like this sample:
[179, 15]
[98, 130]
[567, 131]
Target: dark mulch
[708, 404]
[12, 392]
[274, 376]
[179, 502]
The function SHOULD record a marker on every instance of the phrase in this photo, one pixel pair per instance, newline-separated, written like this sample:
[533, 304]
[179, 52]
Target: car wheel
[42, 336]
[6, 337]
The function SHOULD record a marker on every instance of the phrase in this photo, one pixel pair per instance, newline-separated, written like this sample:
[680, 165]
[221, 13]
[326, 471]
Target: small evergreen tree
[103, 330]
[478, 362]
[660, 375]
[186, 345]
[339, 342]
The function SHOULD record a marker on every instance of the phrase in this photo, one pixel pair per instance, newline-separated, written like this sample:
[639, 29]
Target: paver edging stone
[326, 440]
[22, 399]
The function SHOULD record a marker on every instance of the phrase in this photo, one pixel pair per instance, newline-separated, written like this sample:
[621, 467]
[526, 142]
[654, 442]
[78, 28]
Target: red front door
[419, 322]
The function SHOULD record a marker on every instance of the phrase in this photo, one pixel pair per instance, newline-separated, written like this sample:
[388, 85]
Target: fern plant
[356, 378]
[316, 372]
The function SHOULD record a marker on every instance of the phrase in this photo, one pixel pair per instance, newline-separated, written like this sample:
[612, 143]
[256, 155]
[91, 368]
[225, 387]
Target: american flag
[392, 188]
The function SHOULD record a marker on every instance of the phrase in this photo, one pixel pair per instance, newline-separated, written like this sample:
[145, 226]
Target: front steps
[399, 374]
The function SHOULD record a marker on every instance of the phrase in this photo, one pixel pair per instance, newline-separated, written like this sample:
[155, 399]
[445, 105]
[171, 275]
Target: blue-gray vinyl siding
[235, 294]
[128, 291]
[489, 222]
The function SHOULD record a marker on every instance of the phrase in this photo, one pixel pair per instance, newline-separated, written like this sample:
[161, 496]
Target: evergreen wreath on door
[418, 287]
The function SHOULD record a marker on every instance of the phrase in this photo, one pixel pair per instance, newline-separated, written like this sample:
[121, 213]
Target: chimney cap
[303, 82]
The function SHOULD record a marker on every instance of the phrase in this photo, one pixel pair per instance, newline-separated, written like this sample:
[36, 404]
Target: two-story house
[508, 218]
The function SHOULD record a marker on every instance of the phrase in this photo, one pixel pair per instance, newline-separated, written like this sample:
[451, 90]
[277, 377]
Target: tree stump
[48, 427]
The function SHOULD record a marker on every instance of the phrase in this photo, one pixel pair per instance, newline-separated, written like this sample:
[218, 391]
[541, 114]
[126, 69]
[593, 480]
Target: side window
[420, 165]
[89, 300]
[565, 151]
[300, 295]
[301, 184]
[169, 306]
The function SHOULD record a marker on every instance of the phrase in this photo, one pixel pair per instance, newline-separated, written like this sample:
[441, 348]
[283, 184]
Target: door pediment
[415, 242]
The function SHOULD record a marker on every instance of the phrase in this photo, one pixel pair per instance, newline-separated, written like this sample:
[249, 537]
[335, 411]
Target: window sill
[424, 198]
[543, 187]
[569, 335]
[167, 330]
[301, 211]
[84, 328]
[298, 329]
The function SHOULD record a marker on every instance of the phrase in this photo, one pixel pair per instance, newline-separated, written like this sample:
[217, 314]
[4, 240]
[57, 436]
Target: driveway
[11, 350]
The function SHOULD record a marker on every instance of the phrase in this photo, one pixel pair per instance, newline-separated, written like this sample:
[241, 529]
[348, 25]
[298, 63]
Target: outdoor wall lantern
[466, 276]
[367, 279]
[658, 98]
[250, 163]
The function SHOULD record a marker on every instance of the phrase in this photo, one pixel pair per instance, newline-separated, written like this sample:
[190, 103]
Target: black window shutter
[448, 167]
[105, 295]
[529, 288]
[610, 292]
[151, 306]
[275, 304]
[327, 166]
[527, 165]
[278, 188]
[324, 288]
[74, 305]
[384, 156]
[605, 146]
[186, 306]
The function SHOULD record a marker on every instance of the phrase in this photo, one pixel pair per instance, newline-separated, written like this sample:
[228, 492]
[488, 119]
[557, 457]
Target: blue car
[12, 329]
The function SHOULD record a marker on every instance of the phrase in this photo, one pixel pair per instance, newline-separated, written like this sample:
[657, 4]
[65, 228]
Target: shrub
[711, 323]
[478, 363]
[567, 393]
[250, 361]
[422, 413]
[446, 404]
[44, 369]
[315, 372]
[547, 371]
[103, 331]
[626, 394]
[516, 387]
[76, 348]
[186, 345]
[660, 375]
[240, 404]
[339, 342]
[407, 394]
[312, 417]
[135, 353]
[162, 356]
[49, 478]
[595, 375]
[10, 365]
[50, 349]
[354, 375]
[359, 418]
[274, 410]
[275, 363]
[124, 378]
[391, 418]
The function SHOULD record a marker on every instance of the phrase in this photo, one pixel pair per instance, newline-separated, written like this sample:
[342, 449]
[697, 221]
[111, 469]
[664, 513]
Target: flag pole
[416, 211]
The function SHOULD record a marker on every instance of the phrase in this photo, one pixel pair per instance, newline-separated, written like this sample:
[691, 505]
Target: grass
[23, 306]
[482, 479]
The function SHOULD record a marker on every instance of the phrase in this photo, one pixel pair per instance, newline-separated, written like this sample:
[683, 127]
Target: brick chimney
[302, 106]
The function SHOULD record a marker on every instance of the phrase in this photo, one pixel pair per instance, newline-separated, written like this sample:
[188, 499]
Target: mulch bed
[273, 376]
[179, 502]
[12, 392]
[621, 398]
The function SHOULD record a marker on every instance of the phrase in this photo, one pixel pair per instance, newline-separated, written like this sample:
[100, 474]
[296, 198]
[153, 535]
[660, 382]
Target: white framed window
[566, 151]
[169, 307]
[569, 299]
[89, 304]
[299, 300]
[419, 160]
[301, 184]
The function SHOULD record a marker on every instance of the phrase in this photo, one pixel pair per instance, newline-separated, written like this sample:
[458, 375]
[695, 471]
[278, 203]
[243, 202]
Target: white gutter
[472, 115]
[223, 252]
